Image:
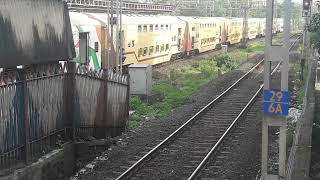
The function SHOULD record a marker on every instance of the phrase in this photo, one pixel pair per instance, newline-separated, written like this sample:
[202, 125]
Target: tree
[314, 28]
[257, 13]
[220, 8]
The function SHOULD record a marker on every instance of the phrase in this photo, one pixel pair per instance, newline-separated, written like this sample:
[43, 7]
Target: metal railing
[49, 105]
[104, 5]
[298, 163]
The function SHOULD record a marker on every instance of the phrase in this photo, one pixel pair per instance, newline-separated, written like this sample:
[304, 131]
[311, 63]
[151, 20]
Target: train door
[179, 38]
[193, 37]
[227, 33]
[220, 32]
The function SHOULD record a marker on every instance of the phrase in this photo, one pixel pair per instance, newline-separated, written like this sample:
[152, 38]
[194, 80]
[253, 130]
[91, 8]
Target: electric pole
[245, 7]
[241, 7]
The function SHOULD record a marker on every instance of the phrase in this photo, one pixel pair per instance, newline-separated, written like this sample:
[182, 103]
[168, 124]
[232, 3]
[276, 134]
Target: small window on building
[161, 27]
[193, 28]
[162, 48]
[145, 28]
[145, 51]
[156, 27]
[167, 47]
[174, 38]
[170, 27]
[129, 44]
[179, 31]
[157, 48]
[150, 50]
[151, 28]
[140, 52]
[139, 28]
[96, 46]
[133, 43]
[167, 27]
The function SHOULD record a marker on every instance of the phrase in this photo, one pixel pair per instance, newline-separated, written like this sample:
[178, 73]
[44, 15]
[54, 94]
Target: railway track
[200, 56]
[184, 154]
[208, 53]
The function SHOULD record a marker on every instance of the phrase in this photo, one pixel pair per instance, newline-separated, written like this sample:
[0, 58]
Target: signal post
[276, 101]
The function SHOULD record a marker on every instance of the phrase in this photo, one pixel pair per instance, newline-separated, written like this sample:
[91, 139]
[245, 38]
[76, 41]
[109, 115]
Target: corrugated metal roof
[34, 31]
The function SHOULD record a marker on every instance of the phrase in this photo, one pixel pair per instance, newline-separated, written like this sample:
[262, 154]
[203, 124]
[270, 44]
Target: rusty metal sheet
[101, 103]
[34, 31]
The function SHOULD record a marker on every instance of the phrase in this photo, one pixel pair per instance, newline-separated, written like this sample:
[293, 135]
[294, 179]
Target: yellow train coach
[154, 39]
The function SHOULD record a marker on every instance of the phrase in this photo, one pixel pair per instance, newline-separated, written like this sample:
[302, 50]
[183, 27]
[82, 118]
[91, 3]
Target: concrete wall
[56, 165]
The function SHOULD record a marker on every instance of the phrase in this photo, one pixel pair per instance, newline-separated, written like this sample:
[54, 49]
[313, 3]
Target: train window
[151, 28]
[167, 27]
[145, 28]
[133, 43]
[161, 27]
[140, 52]
[96, 46]
[162, 48]
[167, 47]
[157, 48]
[150, 50]
[145, 51]
[139, 28]
[157, 28]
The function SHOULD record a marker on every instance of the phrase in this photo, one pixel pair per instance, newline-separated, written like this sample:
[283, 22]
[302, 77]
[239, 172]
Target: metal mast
[245, 7]
[111, 29]
[240, 7]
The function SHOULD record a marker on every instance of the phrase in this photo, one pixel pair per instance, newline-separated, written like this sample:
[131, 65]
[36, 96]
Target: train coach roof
[83, 19]
[202, 19]
[140, 19]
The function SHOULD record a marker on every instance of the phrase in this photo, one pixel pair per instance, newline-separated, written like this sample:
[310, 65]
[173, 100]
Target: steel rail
[252, 100]
[194, 117]
[187, 123]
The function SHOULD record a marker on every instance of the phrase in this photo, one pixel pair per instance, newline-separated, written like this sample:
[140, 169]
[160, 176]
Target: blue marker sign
[276, 102]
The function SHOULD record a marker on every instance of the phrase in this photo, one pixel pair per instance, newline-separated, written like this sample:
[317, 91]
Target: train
[154, 39]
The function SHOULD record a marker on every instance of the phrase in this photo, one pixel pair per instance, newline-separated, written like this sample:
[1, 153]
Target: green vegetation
[176, 89]
[300, 84]
[314, 28]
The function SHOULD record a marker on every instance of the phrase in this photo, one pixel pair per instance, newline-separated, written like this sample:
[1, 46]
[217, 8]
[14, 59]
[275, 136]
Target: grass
[300, 84]
[176, 89]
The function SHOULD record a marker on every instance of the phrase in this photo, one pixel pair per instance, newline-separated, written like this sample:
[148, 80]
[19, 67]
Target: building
[189, 7]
